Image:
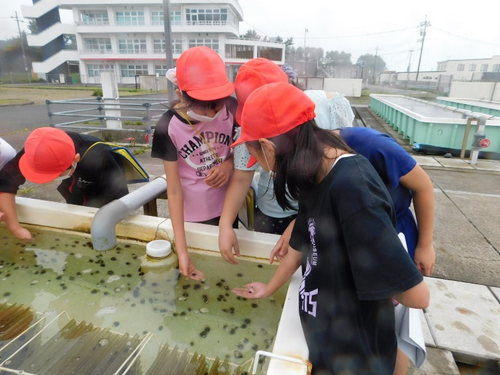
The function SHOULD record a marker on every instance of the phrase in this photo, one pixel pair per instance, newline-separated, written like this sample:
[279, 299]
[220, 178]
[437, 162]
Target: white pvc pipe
[103, 225]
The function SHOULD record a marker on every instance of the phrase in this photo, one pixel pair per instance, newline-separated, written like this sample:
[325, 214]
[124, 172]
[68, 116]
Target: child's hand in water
[186, 267]
[252, 291]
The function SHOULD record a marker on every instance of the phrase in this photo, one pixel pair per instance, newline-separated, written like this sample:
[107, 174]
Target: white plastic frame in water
[289, 353]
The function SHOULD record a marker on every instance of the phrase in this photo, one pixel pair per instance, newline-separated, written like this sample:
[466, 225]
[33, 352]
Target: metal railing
[95, 109]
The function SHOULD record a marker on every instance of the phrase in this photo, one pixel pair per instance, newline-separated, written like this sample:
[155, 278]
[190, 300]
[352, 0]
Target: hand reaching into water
[187, 269]
[253, 290]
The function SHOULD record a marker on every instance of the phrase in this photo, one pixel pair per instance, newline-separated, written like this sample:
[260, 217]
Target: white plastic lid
[158, 248]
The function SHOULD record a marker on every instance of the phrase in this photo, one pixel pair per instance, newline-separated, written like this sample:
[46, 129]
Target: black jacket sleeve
[10, 175]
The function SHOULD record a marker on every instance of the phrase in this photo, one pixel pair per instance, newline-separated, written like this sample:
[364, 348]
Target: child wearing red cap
[344, 237]
[404, 179]
[49, 154]
[193, 139]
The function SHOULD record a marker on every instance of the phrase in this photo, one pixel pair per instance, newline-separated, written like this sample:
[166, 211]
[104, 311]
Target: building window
[161, 69]
[69, 41]
[176, 18]
[496, 67]
[472, 67]
[94, 70]
[159, 45]
[484, 67]
[157, 18]
[132, 45]
[131, 70]
[270, 53]
[129, 18]
[177, 46]
[207, 42]
[460, 67]
[234, 51]
[101, 45]
[98, 18]
[206, 16]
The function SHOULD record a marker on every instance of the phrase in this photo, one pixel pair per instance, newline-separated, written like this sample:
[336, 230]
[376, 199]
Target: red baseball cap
[252, 75]
[201, 73]
[272, 110]
[47, 153]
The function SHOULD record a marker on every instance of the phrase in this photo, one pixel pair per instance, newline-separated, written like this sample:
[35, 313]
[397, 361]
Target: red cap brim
[238, 142]
[212, 93]
[33, 176]
[251, 162]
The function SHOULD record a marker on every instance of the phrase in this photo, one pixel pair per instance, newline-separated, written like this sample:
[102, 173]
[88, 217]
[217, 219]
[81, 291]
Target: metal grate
[79, 348]
[176, 362]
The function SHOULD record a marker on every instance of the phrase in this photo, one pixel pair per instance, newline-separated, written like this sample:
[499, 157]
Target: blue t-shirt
[391, 162]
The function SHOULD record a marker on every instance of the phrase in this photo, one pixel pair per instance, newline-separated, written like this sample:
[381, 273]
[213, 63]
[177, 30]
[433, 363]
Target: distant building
[127, 37]
[470, 69]
[466, 70]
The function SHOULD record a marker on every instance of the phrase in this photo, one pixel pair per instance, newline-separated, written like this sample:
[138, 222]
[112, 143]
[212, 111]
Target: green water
[61, 272]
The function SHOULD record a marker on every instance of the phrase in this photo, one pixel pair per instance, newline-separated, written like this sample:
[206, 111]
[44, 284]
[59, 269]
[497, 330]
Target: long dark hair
[192, 103]
[299, 158]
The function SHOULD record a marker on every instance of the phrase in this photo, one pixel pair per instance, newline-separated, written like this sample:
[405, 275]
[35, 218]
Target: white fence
[476, 90]
[346, 86]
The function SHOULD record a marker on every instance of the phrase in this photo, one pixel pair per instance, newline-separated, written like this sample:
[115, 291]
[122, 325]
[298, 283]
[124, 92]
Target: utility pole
[168, 47]
[422, 34]
[374, 65]
[22, 48]
[305, 55]
[409, 64]
[408, 70]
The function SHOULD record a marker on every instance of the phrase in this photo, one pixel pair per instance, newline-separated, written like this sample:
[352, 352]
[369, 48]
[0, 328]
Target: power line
[465, 38]
[422, 33]
[360, 35]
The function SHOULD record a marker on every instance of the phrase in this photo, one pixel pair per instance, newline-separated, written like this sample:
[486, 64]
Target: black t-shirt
[97, 180]
[352, 263]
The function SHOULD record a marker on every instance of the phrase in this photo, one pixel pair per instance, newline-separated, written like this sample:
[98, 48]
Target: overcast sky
[390, 28]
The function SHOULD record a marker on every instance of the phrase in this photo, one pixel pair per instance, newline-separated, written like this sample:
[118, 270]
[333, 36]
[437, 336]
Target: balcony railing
[130, 23]
[211, 23]
[92, 23]
[174, 51]
[159, 23]
[96, 51]
[134, 51]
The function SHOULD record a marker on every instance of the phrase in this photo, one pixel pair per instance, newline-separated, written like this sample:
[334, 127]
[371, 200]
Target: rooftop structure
[127, 37]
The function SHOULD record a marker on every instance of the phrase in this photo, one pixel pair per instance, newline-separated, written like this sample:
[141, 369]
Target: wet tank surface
[61, 272]
[487, 107]
[437, 128]
[422, 108]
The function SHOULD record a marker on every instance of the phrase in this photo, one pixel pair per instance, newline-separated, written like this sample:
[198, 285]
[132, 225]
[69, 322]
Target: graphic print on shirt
[199, 156]
[308, 303]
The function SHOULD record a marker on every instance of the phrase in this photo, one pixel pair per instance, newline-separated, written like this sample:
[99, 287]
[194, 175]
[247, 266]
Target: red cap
[272, 110]
[252, 75]
[47, 153]
[251, 162]
[201, 73]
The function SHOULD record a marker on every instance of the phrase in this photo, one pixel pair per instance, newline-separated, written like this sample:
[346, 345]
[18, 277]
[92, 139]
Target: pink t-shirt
[177, 140]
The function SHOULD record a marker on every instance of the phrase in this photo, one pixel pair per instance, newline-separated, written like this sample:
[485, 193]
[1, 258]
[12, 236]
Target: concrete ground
[462, 325]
